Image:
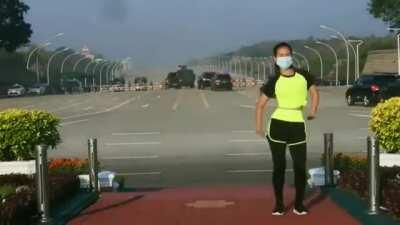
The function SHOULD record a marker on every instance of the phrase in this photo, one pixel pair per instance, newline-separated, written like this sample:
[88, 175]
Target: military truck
[184, 77]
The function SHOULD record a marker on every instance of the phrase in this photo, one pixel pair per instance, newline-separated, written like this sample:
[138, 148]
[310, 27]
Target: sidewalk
[240, 205]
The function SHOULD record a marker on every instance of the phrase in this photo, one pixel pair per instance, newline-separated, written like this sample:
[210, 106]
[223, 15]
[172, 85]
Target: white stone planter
[106, 179]
[18, 167]
[317, 176]
[389, 159]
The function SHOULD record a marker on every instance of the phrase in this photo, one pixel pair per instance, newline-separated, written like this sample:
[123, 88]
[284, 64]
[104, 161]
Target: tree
[387, 10]
[14, 31]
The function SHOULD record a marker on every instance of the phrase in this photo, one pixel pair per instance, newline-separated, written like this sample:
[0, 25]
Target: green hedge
[385, 123]
[22, 130]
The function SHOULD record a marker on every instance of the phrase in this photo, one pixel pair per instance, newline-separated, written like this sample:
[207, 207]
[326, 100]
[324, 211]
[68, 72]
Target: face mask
[284, 62]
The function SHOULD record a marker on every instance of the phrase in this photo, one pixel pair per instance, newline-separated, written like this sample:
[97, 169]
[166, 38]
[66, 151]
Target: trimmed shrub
[21, 130]
[385, 123]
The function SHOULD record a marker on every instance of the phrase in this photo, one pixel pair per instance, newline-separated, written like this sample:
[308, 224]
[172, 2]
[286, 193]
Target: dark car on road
[371, 89]
[172, 81]
[205, 80]
[221, 82]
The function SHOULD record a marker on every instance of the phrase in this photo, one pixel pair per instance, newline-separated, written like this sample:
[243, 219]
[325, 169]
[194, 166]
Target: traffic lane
[75, 131]
[197, 170]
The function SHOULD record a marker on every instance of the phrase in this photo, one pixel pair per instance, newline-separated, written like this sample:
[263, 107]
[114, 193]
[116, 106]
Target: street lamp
[354, 52]
[347, 49]
[77, 62]
[358, 44]
[336, 57]
[65, 60]
[33, 51]
[320, 58]
[398, 47]
[50, 59]
[305, 59]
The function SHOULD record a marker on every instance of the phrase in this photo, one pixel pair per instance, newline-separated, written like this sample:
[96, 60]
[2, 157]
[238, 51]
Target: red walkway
[244, 205]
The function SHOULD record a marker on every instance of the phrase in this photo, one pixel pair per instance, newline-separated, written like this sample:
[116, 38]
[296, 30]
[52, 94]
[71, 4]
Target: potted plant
[20, 131]
[385, 123]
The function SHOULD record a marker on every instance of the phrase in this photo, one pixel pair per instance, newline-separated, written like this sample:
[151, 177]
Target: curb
[358, 208]
[65, 212]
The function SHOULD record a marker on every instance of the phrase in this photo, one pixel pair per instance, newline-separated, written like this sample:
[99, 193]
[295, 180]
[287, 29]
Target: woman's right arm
[260, 108]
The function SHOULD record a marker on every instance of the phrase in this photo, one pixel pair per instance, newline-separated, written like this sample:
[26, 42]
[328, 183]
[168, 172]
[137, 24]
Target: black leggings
[298, 152]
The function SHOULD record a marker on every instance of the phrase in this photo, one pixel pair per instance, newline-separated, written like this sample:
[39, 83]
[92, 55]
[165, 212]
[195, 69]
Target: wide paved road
[188, 137]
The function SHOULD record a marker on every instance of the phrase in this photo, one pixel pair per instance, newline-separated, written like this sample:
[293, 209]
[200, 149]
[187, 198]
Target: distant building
[86, 52]
[381, 61]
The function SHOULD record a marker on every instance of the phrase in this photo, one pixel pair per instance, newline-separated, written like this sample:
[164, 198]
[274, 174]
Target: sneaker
[279, 210]
[300, 210]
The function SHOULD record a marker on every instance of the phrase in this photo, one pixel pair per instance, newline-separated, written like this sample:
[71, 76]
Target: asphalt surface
[188, 137]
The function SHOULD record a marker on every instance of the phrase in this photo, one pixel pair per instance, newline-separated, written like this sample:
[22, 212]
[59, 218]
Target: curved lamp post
[347, 49]
[65, 60]
[35, 50]
[305, 59]
[77, 62]
[319, 56]
[358, 44]
[336, 57]
[49, 61]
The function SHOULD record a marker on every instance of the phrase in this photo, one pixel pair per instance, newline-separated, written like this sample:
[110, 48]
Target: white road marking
[134, 143]
[254, 171]
[73, 122]
[66, 107]
[87, 108]
[248, 154]
[246, 141]
[243, 131]
[177, 101]
[28, 106]
[100, 112]
[360, 115]
[135, 133]
[204, 99]
[132, 157]
[139, 173]
[159, 96]
[248, 106]
[145, 106]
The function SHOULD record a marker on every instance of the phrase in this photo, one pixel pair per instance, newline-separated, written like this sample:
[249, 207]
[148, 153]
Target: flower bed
[19, 207]
[354, 178]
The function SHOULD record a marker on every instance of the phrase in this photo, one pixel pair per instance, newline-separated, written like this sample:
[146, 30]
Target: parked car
[205, 80]
[222, 82]
[38, 89]
[117, 88]
[16, 90]
[371, 89]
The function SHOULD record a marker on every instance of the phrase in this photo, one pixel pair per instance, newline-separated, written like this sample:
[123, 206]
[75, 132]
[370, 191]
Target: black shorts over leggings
[290, 133]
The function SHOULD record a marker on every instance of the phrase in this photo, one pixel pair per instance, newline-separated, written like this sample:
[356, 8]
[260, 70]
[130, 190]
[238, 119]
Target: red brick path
[243, 205]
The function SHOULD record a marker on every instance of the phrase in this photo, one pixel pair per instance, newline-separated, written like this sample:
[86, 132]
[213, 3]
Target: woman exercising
[287, 127]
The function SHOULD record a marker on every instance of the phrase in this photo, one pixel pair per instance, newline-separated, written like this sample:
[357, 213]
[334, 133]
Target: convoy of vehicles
[371, 89]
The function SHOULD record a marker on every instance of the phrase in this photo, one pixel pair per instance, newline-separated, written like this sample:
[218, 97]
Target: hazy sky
[161, 32]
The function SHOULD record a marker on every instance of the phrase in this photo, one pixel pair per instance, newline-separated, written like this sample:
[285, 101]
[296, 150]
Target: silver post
[328, 159]
[42, 184]
[373, 175]
[93, 165]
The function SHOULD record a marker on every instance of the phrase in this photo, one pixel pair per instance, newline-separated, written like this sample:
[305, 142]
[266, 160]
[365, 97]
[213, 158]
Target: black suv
[371, 89]
[172, 81]
[221, 82]
[205, 80]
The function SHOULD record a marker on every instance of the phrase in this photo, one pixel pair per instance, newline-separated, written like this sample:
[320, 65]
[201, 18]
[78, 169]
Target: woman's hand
[260, 132]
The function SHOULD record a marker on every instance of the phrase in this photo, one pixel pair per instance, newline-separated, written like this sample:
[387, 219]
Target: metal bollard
[373, 175]
[328, 159]
[42, 184]
[93, 165]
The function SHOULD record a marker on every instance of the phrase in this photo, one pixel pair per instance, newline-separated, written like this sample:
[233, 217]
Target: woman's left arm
[314, 93]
